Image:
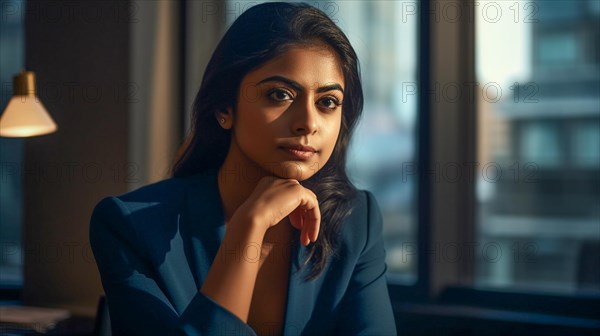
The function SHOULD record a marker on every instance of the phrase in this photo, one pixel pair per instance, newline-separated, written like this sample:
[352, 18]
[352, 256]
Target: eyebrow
[299, 87]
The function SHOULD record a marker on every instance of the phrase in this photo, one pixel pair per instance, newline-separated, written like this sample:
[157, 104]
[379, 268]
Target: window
[12, 57]
[557, 11]
[586, 145]
[594, 7]
[383, 147]
[540, 143]
[559, 48]
[543, 211]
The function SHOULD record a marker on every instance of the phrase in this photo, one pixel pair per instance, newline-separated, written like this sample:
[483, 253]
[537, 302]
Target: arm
[231, 281]
[137, 305]
[366, 308]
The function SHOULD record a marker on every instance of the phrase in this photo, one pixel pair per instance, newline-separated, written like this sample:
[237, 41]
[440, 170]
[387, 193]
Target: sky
[503, 45]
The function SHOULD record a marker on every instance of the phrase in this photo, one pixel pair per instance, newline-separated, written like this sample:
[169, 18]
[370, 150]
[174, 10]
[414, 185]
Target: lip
[299, 151]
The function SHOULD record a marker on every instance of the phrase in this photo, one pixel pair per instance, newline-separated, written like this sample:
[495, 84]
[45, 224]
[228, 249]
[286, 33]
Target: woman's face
[294, 99]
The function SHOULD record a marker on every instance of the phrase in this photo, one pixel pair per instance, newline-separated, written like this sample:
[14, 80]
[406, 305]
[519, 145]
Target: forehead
[312, 67]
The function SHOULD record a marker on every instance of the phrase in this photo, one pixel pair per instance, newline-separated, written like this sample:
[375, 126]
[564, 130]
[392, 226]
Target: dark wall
[79, 52]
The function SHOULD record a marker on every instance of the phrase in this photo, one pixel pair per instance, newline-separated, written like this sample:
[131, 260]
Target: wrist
[246, 227]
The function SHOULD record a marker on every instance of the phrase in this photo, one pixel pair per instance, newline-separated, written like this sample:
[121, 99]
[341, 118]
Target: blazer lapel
[301, 295]
[205, 222]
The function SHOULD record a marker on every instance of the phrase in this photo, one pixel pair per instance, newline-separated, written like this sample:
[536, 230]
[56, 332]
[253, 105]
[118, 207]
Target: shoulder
[363, 227]
[167, 193]
[155, 207]
[111, 210]
[364, 203]
[158, 193]
[152, 209]
[141, 218]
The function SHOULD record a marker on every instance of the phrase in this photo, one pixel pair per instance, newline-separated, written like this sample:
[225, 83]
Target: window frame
[8, 290]
[447, 133]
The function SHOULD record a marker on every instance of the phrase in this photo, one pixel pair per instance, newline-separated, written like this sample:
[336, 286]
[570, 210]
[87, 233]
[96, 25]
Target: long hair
[258, 35]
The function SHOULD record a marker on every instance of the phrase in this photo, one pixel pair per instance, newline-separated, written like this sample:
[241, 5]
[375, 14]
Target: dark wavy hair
[258, 35]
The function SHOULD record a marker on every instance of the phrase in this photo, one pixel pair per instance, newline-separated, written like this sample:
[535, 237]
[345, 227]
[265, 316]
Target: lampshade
[25, 116]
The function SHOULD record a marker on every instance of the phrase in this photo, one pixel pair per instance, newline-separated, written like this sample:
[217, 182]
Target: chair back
[102, 323]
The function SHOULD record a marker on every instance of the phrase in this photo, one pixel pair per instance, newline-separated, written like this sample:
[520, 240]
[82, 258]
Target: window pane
[540, 143]
[559, 48]
[586, 145]
[11, 62]
[383, 33]
[540, 205]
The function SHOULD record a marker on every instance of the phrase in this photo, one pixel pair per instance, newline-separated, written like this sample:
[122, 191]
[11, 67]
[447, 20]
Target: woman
[259, 231]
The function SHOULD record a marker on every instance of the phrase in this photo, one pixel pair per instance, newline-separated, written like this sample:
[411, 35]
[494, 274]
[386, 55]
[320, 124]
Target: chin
[300, 171]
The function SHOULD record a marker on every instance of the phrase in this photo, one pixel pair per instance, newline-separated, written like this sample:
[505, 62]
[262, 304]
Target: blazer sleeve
[366, 307]
[136, 303]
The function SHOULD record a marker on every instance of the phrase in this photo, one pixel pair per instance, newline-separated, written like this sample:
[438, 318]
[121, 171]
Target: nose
[305, 118]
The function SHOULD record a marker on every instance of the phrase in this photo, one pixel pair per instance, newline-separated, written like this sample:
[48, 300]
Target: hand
[274, 199]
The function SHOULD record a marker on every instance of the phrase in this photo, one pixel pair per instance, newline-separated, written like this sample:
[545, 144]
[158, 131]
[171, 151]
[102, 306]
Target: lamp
[25, 116]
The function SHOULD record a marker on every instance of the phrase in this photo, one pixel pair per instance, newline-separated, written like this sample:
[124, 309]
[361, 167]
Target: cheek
[330, 135]
[253, 121]
[335, 130]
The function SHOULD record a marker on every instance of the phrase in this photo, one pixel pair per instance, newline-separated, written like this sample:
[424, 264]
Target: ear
[225, 118]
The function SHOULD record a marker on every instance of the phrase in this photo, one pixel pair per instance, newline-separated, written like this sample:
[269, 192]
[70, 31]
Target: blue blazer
[154, 247]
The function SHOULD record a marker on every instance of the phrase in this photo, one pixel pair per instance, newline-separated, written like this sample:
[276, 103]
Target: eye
[279, 95]
[330, 103]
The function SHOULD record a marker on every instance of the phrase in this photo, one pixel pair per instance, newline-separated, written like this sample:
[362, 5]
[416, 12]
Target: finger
[310, 228]
[315, 226]
[302, 226]
[310, 214]
[315, 232]
[305, 230]
[296, 218]
[313, 221]
[305, 240]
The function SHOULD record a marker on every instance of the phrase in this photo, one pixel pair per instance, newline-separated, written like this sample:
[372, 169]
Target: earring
[222, 120]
